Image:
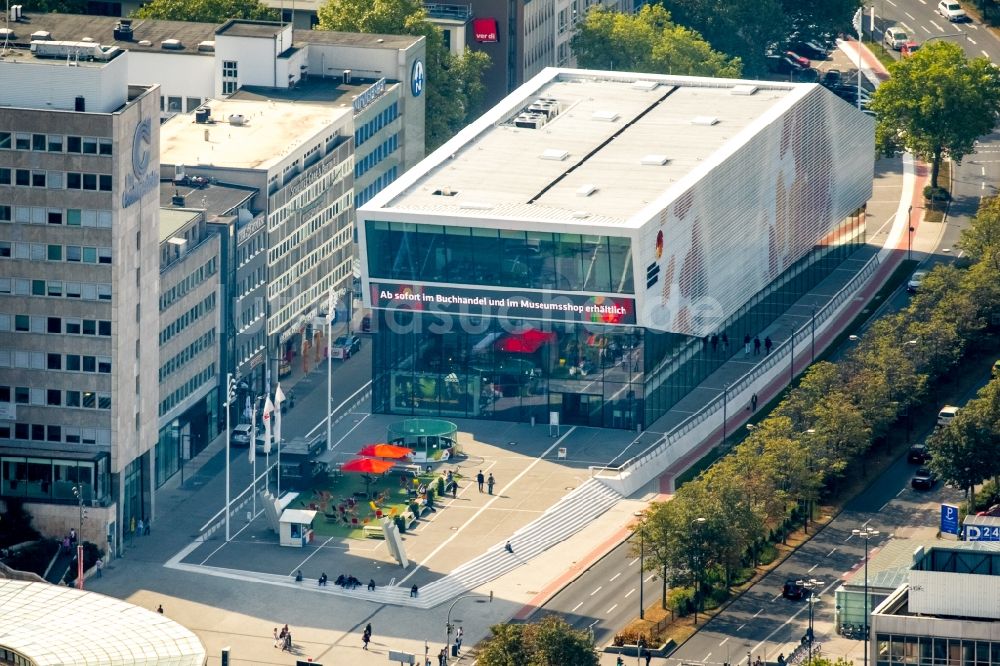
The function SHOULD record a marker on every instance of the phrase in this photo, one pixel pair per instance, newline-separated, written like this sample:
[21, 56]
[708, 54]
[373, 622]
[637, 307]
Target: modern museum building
[570, 254]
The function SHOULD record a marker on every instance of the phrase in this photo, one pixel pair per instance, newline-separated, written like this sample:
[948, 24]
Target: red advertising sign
[484, 29]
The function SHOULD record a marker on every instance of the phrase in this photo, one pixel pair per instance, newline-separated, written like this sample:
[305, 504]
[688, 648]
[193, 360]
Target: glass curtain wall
[935, 651]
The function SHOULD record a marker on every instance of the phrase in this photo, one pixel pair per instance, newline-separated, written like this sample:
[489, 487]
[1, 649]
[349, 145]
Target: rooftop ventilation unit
[6, 34]
[605, 116]
[705, 120]
[237, 119]
[76, 50]
[206, 47]
[445, 192]
[743, 89]
[15, 13]
[548, 108]
[530, 120]
[555, 154]
[172, 45]
[87, 39]
[123, 30]
[145, 42]
[586, 190]
[653, 159]
[645, 85]
[41, 35]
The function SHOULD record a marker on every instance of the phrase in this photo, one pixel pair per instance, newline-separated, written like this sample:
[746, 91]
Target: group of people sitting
[347, 582]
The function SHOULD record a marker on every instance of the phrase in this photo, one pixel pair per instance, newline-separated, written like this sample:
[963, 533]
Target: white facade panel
[257, 64]
[101, 86]
[956, 594]
[179, 75]
[755, 213]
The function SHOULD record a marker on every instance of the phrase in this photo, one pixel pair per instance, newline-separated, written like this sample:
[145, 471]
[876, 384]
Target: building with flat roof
[52, 625]
[947, 612]
[298, 160]
[79, 277]
[573, 250]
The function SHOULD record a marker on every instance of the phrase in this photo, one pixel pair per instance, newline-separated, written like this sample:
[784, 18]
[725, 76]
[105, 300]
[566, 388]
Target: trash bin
[454, 649]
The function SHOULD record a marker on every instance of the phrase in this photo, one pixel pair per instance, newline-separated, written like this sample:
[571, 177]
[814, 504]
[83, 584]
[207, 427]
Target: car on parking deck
[924, 479]
[802, 61]
[918, 454]
[915, 281]
[810, 48]
[833, 78]
[894, 38]
[344, 346]
[782, 64]
[952, 11]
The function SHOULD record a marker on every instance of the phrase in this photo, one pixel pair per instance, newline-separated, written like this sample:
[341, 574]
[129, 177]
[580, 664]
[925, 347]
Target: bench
[409, 519]
[373, 532]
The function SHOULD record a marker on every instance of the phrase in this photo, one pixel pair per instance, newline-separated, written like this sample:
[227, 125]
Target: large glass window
[505, 258]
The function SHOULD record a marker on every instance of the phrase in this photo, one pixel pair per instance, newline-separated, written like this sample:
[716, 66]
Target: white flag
[268, 410]
[279, 398]
[253, 434]
[331, 304]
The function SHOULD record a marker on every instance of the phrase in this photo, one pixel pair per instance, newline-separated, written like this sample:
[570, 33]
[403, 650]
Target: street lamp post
[810, 585]
[809, 509]
[230, 396]
[447, 624]
[697, 573]
[78, 492]
[866, 533]
[813, 355]
[909, 234]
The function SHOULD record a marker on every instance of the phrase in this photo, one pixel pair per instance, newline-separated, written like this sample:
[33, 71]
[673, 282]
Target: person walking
[149, 525]
[100, 567]
[767, 345]
[756, 345]
[746, 345]
[413, 590]
[715, 343]
[454, 489]
[288, 640]
[368, 629]
[366, 638]
[753, 403]
[479, 479]
[509, 548]
[140, 528]
[159, 609]
[277, 638]
[489, 483]
[649, 657]
[725, 343]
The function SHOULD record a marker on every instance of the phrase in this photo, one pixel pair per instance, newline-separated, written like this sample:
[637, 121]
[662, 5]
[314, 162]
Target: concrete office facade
[573, 250]
[79, 277]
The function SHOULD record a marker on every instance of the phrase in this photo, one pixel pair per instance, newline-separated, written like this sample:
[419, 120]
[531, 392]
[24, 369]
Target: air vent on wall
[743, 89]
[555, 154]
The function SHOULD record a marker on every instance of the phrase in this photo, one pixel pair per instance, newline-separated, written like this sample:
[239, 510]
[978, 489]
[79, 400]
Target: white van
[947, 415]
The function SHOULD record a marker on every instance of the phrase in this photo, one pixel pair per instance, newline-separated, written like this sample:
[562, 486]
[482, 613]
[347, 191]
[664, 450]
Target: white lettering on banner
[500, 302]
[249, 230]
[370, 95]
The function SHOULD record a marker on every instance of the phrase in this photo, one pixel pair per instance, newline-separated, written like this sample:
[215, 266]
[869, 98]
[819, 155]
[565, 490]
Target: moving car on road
[909, 48]
[916, 280]
[240, 436]
[895, 38]
[952, 11]
[918, 454]
[947, 414]
[344, 346]
[924, 479]
[793, 589]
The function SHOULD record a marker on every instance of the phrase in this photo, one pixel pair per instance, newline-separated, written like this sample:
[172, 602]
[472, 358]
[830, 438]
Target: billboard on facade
[484, 29]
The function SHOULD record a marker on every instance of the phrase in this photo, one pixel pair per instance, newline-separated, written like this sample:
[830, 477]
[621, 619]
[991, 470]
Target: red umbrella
[385, 451]
[367, 466]
[526, 342]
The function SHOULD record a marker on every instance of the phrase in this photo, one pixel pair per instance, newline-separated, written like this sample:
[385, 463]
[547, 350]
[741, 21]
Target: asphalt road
[606, 596]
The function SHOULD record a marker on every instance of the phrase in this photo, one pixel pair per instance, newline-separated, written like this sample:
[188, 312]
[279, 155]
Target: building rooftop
[52, 624]
[173, 220]
[75, 27]
[329, 92]
[58, 53]
[889, 566]
[967, 557]
[239, 28]
[267, 133]
[213, 197]
[613, 143]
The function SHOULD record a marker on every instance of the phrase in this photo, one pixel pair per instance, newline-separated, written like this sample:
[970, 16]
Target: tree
[206, 11]
[936, 104]
[646, 42]
[60, 6]
[549, 642]
[454, 90]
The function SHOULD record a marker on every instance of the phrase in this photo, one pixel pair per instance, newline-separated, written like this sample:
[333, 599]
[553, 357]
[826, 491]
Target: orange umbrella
[367, 466]
[385, 451]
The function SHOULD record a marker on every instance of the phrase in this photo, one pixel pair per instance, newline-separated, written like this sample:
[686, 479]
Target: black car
[833, 78]
[924, 479]
[808, 75]
[783, 64]
[792, 589]
[811, 49]
[918, 454]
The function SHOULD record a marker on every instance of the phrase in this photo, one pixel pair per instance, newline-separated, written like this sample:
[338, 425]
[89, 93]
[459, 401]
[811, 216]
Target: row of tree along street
[718, 526]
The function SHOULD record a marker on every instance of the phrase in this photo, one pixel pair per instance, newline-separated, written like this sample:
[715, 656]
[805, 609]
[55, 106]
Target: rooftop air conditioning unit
[237, 119]
[172, 45]
[123, 30]
[530, 120]
[6, 34]
[206, 47]
[347, 77]
[41, 35]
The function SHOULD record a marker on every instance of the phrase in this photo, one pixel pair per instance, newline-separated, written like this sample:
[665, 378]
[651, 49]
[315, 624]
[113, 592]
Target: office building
[567, 256]
[191, 300]
[299, 160]
[79, 286]
[947, 612]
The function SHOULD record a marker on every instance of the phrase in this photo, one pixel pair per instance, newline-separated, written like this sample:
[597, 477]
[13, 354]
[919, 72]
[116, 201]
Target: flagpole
[229, 408]
[279, 398]
[253, 454]
[330, 314]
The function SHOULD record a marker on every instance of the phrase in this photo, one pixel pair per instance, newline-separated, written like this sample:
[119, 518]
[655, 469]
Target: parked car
[947, 414]
[807, 75]
[240, 435]
[801, 61]
[792, 589]
[894, 38]
[916, 280]
[782, 64]
[918, 454]
[833, 78]
[345, 345]
[909, 48]
[812, 49]
[952, 11]
[924, 479]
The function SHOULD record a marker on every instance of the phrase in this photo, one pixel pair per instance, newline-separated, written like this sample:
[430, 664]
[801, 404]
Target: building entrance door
[580, 409]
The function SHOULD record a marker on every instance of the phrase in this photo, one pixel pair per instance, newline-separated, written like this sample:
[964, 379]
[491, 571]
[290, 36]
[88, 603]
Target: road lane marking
[615, 576]
[936, 26]
[831, 552]
[911, 16]
[322, 422]
[812, 567]
[983, 51]
[850, 535]
[982, 171]
[758, 612]
[740, 627]
[776, 597]
[892, 3]
[633, 561]
[901, 491]
[974, 26]
[972, 40]
[575, 607]
[724, 640]
[651, 577]
[794, 615]
[707, 656]
[925, 30]
[596, 591]
[629, 592]
[608, 612]
[886, 504]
